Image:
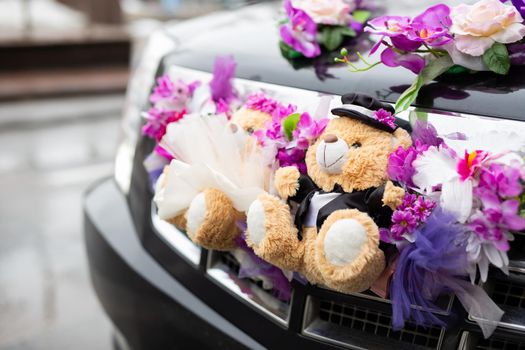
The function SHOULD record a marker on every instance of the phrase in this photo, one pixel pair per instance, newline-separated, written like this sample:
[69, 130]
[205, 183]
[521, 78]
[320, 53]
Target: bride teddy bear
[333, 238]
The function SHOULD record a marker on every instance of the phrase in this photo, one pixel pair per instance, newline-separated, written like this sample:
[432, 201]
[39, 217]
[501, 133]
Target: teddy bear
[333, 238]
[210, 218]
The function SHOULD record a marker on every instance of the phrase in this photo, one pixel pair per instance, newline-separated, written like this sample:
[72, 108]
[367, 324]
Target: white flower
[331, 12]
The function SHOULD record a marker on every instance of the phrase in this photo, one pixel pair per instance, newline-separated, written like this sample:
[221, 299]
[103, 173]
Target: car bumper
[150, 308]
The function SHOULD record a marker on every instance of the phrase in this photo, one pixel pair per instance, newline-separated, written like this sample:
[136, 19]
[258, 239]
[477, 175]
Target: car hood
[251, 36]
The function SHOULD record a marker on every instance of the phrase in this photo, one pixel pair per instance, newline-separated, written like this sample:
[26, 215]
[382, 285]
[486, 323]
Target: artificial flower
[400, 167]
[477, 27]
[261, 102]
[432, 26]
[221, 86]
[425, 134]
[300, 33]
[329, 12]
[470, 163]
[410, 61]
[385, 117]
[158, 119]
[172, 95]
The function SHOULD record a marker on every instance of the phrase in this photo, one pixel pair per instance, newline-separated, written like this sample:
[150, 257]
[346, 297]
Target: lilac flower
[300, 33]
[501, 179]
[260, 102]
[385, 117]
[221, 86]
[403, 223]
[410, 61]
[425, 133]
[172, 95]
[400, 167]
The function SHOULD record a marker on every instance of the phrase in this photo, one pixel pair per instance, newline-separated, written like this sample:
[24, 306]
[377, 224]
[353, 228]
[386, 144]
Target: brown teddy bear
[333, 239]
[210, 219]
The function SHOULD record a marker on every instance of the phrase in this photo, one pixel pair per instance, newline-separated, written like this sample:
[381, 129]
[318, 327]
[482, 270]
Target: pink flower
[477, 27]
[403, 223]
[471, 163]
[501, 179]
[385, 117]
[400, 166]
[308, 129]
[172, 95]
[157, 120]
[300, 33]
[260, 102]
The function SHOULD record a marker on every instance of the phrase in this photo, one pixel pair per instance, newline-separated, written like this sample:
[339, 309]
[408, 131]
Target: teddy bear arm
[287, 181]
[393, 195]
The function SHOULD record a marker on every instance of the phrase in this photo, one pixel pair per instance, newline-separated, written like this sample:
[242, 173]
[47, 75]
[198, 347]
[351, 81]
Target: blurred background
[64, 65]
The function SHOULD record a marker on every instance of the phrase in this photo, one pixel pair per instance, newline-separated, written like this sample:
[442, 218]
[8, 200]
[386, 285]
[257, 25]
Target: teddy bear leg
[272, 234]
[347, 251]
[311, 268]
[211, 220]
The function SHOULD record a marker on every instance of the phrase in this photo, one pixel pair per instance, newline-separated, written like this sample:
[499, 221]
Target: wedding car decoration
[313, 25]
[484, 36]
[457, 217]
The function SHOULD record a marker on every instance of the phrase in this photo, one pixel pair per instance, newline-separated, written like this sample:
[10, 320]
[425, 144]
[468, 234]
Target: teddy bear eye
[356, 145]
[250, 131]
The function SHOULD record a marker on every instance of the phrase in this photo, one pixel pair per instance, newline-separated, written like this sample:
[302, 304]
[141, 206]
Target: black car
[163, 292]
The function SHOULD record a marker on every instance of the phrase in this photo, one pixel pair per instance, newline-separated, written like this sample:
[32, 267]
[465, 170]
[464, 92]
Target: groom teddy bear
[342, 201]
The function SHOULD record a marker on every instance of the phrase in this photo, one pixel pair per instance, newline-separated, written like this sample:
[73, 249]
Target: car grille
[474, 341]
[509, 293]
[377, 323]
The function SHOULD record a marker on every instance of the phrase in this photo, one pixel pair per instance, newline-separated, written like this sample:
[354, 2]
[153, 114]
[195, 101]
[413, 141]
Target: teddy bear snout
[331, 154]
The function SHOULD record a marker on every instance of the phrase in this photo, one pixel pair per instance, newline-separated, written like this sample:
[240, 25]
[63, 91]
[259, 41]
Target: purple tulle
[261, 268]
[221, 85]
[431, 266]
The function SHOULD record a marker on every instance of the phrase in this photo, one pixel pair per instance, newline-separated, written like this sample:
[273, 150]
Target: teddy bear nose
[330, 138]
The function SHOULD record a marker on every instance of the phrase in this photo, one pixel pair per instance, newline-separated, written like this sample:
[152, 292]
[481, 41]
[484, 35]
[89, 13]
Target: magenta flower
[385, 117]
[422, 208]
[432, 26]
[501, 179]
[410, 61]
[403, 223]
[308, 129]
[390, 26]
[400, 166]
[221, 85]
[425, 133]
[300, 33]
[157, 120]
[172, 95]
[470, 164]
[260, 102]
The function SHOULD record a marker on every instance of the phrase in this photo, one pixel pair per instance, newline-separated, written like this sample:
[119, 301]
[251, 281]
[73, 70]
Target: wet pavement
[50, 151]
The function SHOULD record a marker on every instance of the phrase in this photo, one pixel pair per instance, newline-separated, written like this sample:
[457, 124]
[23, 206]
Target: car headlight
[139, 87]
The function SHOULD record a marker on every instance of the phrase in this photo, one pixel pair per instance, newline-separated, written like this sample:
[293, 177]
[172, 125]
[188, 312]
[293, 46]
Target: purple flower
[432, 26]
[308, 129]
[403, 223]
[300, 33]
[500, 179]
[221, 86]
[390, 26]
[400, 167]
[292, 157]
[410, 61]
[385, 117]
[426, 134]
[422, 208]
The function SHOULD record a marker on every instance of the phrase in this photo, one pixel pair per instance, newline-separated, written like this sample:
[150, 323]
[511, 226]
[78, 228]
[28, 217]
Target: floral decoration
[458, 188]
[484, 36]
[311, 25]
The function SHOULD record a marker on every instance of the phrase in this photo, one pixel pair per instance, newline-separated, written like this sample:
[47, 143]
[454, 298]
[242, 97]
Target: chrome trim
[177, 240]
[247, 291]
[463, 342]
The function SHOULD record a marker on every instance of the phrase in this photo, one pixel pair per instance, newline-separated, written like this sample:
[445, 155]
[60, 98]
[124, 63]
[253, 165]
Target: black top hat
[362, 107]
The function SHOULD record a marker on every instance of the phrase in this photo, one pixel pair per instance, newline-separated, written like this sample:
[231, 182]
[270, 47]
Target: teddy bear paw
[211, 220]
[271, 233]
[344, 241]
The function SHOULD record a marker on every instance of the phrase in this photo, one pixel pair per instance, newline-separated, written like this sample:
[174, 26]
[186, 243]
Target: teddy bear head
[353, 150]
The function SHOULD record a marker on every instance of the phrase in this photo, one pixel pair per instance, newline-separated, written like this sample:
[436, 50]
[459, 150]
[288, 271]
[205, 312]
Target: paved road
[49, 152]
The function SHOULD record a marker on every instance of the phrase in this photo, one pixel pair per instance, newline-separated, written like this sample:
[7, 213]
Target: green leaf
[457, 69]
[288, 52]
[361, 16]
[416, 115]
[432, 70]
[497, 59]
[331, 37]
[347, 31]
[290, 123]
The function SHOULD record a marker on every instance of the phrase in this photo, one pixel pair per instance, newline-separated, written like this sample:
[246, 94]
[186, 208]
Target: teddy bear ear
[401, 137]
